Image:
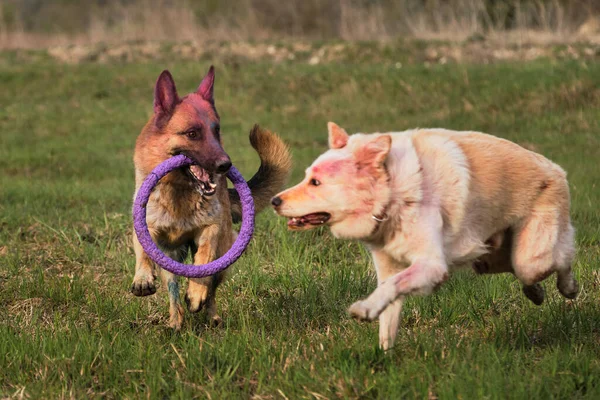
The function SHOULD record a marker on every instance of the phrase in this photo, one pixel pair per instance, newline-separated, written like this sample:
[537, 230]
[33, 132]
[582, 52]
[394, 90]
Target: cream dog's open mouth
[203, 179]
[308, 221]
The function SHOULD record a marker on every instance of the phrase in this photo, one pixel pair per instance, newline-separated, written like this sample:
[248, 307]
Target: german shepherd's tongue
[199, 173]
[206, 186]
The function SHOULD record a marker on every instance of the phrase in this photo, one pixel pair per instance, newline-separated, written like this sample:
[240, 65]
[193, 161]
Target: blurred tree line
[312, 18]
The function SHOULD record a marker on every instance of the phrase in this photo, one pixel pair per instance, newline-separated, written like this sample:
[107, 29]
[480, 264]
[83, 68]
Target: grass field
[70, 328]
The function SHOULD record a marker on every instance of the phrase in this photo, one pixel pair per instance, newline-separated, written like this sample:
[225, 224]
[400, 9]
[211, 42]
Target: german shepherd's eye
[315, 182]
[192, 134]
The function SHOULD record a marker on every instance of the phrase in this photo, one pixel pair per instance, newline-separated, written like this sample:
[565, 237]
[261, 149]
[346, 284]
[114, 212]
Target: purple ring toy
[188, 270]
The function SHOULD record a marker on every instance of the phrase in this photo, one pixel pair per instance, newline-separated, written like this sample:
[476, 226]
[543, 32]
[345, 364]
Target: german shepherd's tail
[275, 165]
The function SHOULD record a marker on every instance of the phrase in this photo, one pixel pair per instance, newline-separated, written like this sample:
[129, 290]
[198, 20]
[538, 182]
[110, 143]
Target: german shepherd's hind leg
[175, 308]
[205, 289]
[171, 282]
[145, 271]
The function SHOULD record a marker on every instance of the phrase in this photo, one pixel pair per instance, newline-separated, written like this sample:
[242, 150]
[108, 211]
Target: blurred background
[77, 80]
[42, 23]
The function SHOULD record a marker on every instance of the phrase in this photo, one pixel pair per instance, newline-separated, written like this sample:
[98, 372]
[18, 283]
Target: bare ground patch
[395, 53]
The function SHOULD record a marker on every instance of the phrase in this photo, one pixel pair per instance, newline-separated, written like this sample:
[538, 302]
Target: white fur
[447, 195]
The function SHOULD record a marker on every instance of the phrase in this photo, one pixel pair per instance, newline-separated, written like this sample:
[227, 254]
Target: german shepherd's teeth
[205, 188]
[194, 175]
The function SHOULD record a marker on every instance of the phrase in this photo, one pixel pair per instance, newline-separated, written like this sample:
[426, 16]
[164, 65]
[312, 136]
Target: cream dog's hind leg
[544, 243]
[499, 260]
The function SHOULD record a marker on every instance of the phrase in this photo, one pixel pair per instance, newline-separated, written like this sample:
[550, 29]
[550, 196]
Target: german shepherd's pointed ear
[165, 97]
[374, 152]
[206, 86]
[337, 136]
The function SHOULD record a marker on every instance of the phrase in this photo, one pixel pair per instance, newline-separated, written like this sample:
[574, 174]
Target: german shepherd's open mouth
[308, 221]
[203, 180]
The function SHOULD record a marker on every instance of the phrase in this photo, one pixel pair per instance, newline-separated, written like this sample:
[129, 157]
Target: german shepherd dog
[427, 200]
[191, 208]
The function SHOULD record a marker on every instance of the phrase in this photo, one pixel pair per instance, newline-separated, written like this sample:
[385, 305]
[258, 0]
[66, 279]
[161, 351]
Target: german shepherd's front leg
[201, 291]
[145, 271]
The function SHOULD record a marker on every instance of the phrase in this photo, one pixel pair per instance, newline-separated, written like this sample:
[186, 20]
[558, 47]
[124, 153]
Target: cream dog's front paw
[363, 311]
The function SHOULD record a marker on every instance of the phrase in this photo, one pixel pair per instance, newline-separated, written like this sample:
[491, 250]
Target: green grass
[70, 328]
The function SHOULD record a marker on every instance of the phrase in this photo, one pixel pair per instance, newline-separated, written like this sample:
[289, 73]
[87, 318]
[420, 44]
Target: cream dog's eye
[314, 182]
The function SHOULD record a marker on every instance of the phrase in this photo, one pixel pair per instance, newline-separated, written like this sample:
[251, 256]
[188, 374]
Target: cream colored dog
[426, 201]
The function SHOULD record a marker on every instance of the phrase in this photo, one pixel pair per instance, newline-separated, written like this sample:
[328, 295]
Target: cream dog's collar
[381, 216]
[379, 220]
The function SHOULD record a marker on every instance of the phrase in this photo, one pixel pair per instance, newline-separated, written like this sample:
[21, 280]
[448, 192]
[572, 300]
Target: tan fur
[446, 199]
[179, 217]
[272, 174]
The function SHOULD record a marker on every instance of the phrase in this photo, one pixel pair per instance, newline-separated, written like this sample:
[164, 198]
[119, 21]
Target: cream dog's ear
[374, 152]
[337, 136]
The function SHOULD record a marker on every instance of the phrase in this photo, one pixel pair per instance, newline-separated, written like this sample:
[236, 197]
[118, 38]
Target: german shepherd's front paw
[143, 285]
[362, 311]
[196, 299]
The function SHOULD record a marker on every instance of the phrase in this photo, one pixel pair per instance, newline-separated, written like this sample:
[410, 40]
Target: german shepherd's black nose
[223, 166]
[276, 201]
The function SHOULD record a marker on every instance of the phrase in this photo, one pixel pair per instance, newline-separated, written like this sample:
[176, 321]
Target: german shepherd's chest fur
[177, 213]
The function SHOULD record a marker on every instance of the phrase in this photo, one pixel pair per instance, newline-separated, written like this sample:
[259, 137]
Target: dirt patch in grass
[395, 53]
